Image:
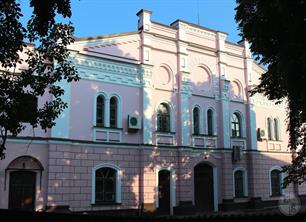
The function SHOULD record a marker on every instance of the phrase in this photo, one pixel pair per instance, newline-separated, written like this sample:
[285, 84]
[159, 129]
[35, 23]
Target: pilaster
[148, 109]
[225, 114]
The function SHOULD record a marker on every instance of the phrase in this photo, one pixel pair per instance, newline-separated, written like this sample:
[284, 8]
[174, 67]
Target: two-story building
[161, 118]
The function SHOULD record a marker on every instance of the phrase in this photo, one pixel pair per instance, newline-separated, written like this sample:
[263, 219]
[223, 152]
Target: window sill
[241, 197]
[204, 135]
[198, 134]
[280, 195]
[241, 138]
[106, 204]
[104, 127]
[165, 133]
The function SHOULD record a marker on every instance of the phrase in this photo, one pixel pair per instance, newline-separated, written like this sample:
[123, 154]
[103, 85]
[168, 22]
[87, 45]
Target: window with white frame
[239, 183]
[100, 106]
[196, 121]
[236, 125]
[106, 184]
[163, 118]
[276, 182]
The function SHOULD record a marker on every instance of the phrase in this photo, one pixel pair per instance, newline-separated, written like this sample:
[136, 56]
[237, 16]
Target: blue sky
[98, 17]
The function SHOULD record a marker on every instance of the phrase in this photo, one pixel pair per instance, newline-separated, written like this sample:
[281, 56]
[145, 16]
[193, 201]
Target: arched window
[276, 129]
[236, 125]
[105, 185]
[113, 109]
[163, 118]
[276, 181]
[100, 111]
[196, 121]
[210, 130]
[270, 129]
[239, 183]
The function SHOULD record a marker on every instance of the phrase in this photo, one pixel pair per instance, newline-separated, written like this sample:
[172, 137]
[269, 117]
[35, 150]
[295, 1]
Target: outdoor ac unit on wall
[262, 134]
[134, 122]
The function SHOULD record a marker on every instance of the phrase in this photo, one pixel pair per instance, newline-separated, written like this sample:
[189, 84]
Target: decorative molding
[225, 89]
[108, 43]
[165, 138]
[262, 101]
[200, 32]
[238, 142]
[105, 135]
[111, 72]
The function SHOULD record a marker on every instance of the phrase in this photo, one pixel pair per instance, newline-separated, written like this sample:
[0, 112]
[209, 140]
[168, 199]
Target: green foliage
[276, 30]
[20, 88]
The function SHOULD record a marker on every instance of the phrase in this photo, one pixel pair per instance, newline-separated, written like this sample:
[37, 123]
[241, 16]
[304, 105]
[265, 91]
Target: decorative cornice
[104, 70]
[200, 32]
[262, 101]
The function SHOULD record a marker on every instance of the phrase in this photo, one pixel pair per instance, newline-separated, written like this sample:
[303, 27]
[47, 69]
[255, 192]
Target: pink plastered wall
[83, 94]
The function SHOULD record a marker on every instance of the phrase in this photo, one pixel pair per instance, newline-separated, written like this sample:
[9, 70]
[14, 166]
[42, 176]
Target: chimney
[144, 19]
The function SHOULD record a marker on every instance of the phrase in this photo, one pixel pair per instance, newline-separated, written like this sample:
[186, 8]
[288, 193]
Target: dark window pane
[100, 111]
[210, 122]
[113, 112]
[196, 121]
[276, 182]
[276, 129]
[239, 189]
[105, 185]
[269, 128]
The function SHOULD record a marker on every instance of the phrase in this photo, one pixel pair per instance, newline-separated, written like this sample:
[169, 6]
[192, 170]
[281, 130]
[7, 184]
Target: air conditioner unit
[237, 153]
[262, 134]
[134, 122]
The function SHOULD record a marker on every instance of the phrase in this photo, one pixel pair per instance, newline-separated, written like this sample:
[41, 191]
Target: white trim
[215, 184]
[281, 178]
[103, 70]
[107, 131]
[172, 187]
[241, 90]
[242, 123]
[172, 114]
[95, 107]
[245, 181]
[118, 181]
[201, 119]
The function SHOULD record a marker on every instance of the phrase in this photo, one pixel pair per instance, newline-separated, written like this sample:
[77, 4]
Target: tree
[19, 89]
[276, 31]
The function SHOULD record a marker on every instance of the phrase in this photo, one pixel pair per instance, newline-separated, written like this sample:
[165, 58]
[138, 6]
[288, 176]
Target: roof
[104, 36]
